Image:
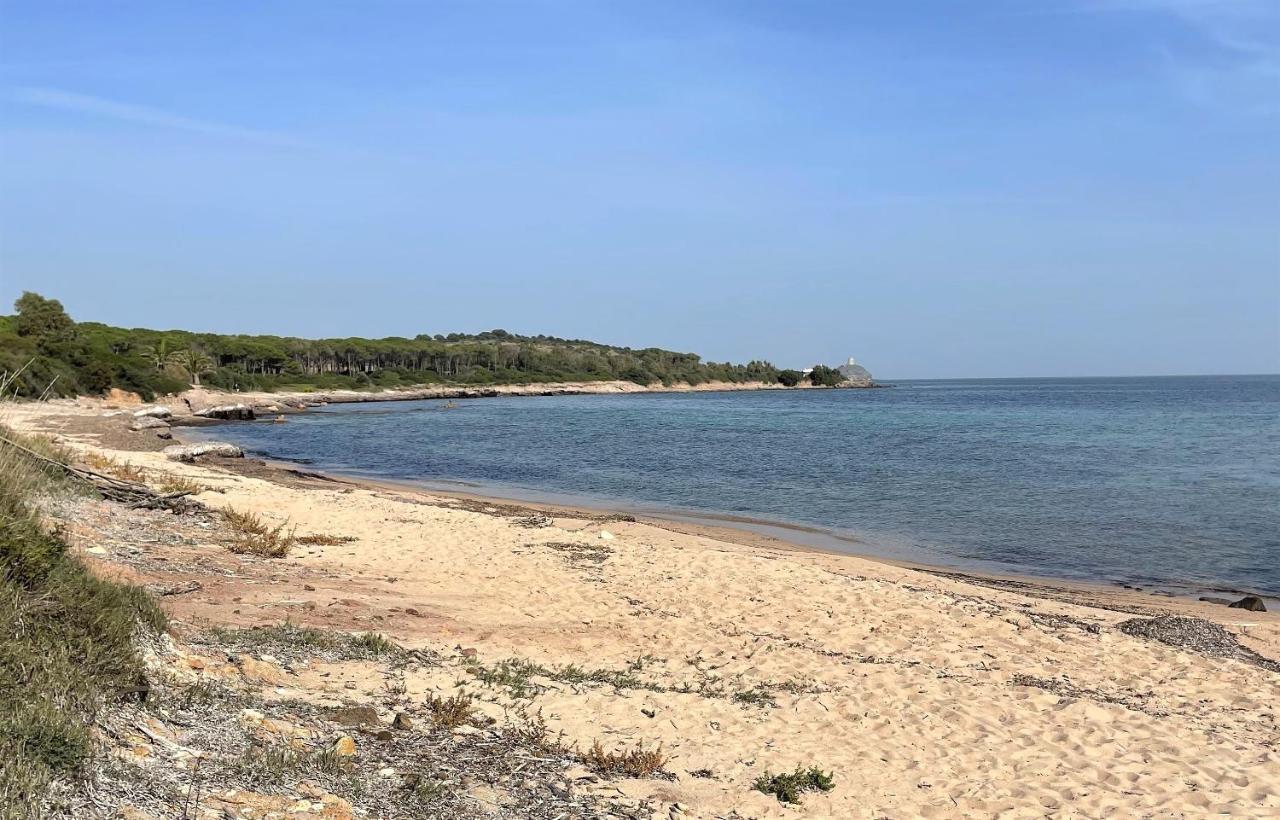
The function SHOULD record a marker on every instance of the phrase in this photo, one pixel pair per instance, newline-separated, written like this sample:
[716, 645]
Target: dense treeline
[58, 356]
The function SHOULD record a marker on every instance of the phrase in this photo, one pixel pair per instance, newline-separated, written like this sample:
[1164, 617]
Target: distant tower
[854, 372]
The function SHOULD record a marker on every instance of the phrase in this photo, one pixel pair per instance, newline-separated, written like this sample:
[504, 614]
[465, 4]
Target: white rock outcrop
[236, 412]
[148, 423]
[190, 452]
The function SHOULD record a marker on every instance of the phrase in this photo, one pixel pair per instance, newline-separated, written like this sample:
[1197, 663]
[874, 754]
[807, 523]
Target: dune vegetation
[71, 639]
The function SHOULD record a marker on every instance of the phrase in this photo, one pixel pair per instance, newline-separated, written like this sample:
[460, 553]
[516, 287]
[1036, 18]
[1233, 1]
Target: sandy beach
[923, 695]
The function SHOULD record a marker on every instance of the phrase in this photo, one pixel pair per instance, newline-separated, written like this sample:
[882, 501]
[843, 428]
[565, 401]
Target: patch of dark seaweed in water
[1196, 635]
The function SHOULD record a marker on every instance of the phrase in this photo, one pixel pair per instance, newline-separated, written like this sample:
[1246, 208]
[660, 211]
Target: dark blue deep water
[1160, 481]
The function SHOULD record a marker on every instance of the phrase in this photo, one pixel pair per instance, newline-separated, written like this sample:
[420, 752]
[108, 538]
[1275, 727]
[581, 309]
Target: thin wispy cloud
[1237, 62]
[60, 100]
[1243, 26]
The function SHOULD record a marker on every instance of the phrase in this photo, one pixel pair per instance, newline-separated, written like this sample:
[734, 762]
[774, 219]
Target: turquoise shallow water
[1151, 481]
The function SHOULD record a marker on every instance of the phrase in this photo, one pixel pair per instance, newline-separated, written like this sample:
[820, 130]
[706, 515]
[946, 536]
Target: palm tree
[193, 362]
[158, 354]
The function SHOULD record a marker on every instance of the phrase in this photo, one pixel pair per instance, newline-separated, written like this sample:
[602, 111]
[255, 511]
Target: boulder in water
[190, 452]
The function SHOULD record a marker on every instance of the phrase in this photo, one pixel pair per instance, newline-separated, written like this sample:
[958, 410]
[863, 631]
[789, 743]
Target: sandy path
[924, 695]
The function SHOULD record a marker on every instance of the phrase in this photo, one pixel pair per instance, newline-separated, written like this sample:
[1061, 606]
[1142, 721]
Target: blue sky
[939, 188]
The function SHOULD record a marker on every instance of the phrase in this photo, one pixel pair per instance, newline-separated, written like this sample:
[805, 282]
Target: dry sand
[925, 696]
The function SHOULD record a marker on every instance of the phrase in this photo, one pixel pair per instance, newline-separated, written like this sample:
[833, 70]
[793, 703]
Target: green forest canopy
[54, 355]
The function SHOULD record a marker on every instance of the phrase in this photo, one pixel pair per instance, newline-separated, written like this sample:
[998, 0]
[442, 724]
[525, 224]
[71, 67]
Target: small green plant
[788, 787]
[422, 790]
[374, 645]
[513, 673]
[289, 639]
[637, 762]
[274, 765]
[572, 673]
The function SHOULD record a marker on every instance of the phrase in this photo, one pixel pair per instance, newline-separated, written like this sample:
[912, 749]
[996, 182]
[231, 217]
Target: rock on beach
[228, 412]
[148, 423]
[190, 452]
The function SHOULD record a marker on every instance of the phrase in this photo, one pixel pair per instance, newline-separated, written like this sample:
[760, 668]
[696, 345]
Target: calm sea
[1163, 482]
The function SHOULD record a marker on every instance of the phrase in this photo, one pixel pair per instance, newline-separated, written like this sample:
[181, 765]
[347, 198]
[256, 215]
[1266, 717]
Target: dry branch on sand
[130, 493]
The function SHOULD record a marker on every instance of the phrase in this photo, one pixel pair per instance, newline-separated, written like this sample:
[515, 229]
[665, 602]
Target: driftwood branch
[130, 493]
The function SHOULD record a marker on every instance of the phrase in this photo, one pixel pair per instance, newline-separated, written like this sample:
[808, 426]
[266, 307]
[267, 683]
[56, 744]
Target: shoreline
[755, 530]
[297, 401]
[735, 528]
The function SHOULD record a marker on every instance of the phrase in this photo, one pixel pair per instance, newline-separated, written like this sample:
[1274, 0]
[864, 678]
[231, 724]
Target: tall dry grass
[254, 536]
